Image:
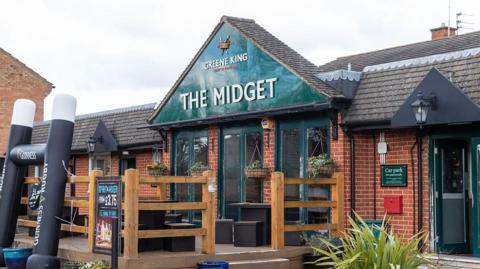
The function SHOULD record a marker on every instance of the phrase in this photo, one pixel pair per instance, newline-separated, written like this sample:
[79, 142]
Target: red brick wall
[17, 81]
[268, 160]
[368, 182]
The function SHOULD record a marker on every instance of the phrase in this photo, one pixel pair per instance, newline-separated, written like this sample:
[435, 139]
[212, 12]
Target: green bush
[361, 249]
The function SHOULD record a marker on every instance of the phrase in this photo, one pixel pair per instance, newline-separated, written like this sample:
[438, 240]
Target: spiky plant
[362, 248]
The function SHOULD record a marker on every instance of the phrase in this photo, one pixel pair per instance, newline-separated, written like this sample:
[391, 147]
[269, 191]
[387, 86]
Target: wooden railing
[131, 205]
[279, 204]
[87, 202]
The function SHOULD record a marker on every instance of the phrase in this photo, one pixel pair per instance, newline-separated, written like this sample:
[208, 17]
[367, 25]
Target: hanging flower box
[157, 169]
[256, 170]
[321, 166]
[197, 169]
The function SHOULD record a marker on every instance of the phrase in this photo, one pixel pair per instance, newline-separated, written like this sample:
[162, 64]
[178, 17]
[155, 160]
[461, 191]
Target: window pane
[231, 173]
[317, 145]
[291, 168]
[181, 168]
[253, 152]
[200, 151]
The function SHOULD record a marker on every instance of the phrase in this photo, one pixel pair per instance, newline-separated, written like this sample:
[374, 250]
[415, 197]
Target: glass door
[299, 140]
[190, 147]
[241, 147]
[453, 228]
[475, 235]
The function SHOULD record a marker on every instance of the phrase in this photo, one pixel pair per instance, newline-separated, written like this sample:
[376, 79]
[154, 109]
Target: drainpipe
[420, 181]
[412, 164]
[352, 174]
[374, 179]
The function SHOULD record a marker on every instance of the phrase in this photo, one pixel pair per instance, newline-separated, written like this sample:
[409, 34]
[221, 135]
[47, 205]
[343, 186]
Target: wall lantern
[91, 142]
[422, 106]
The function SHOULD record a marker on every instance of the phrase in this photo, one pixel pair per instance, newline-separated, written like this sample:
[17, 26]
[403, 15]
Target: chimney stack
[443, 32]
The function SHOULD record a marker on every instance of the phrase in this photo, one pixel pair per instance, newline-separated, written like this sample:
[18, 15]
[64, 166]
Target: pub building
[402, 125]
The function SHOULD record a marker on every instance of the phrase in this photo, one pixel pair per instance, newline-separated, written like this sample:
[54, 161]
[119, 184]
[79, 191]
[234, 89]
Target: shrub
[361, 249]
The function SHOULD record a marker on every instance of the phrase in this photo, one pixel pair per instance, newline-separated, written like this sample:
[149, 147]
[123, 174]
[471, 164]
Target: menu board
[108, 203]
[394, 175]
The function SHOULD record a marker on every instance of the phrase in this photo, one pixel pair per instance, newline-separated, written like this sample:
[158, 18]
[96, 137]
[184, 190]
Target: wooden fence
[131, 205]
[336, 204]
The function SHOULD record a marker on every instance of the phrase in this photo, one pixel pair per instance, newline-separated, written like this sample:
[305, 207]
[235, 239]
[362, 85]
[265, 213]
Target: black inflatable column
[13, 176]
[57, 154]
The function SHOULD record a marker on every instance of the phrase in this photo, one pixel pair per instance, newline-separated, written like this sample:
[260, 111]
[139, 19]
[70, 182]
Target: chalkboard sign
[394, 175]
[108, 204]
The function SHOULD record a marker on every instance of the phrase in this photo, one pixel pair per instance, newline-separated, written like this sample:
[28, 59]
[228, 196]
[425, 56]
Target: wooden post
[162, 191]
[278, 210]
[92, 192]
[130, 249]
[208, 216]
[341, 200]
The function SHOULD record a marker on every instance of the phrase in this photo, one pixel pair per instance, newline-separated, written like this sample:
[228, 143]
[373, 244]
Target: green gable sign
[394, 175]
[233, 76]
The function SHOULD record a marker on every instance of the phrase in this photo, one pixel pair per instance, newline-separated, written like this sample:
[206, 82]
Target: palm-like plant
[362, 248]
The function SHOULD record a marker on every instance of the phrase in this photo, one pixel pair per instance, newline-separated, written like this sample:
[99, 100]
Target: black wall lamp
[422, 106]
[91, 142]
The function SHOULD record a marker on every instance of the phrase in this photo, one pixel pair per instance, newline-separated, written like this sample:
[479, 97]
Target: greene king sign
[251, 91]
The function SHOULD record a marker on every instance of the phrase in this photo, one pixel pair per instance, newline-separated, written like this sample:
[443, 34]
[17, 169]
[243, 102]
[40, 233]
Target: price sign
[107, 206]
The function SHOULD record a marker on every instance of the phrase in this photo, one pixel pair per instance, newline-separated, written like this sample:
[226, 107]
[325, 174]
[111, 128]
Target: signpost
[108, 210]
[394, 175]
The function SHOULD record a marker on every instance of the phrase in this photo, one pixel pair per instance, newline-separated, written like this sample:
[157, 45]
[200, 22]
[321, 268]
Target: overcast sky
[114, 53]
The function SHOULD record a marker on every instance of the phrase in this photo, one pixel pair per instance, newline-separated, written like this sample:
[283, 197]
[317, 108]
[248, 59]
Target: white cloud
[115, 53]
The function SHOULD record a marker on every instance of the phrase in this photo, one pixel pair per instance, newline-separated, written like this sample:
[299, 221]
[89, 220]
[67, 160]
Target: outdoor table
[152, 220]
[257, 212]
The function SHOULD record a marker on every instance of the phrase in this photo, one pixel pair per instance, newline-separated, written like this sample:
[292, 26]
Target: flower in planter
[95, 265]
[157, 169]
[321, 166]
[256, 170]
[198, 168]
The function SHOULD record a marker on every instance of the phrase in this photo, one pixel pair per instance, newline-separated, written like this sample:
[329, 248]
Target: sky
[116, 53]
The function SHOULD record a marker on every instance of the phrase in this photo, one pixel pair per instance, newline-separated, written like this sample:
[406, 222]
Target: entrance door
[453, 207]
[299, 140]
[241, 147]
[475, 153]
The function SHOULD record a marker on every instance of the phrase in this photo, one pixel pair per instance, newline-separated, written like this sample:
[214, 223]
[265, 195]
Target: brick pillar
[213, 143]
[268, 159]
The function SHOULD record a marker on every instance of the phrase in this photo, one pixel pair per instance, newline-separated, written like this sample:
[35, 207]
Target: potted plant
[95, 265]
[361, 247]
[198, 168]
[321, 166]
[317, 241]
[157, 169]
[256, 170]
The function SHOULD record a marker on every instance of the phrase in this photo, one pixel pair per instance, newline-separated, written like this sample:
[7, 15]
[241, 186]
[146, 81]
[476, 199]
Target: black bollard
[13, 175]
[57, 154]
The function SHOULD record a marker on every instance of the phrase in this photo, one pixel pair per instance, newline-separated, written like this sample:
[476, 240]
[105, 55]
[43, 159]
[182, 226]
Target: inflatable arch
[54, 155]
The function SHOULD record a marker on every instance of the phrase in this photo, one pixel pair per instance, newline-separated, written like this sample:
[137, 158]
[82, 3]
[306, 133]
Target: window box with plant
[198, 168]
[95, 265]
[321, 166]
[157, 169]
[256, 170]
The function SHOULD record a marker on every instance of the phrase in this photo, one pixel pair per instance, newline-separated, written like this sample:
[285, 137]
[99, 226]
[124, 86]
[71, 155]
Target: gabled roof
[4, 52]
[381, 92]
[271, 45]
[122, 123]
[415, 50]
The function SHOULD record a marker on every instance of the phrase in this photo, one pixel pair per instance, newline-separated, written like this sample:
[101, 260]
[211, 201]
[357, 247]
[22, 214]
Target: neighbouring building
[402, 123]
[120, 144]
[18, 81]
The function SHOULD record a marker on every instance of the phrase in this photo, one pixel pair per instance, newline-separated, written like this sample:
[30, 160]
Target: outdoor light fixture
[422, 106]
[91, 142]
